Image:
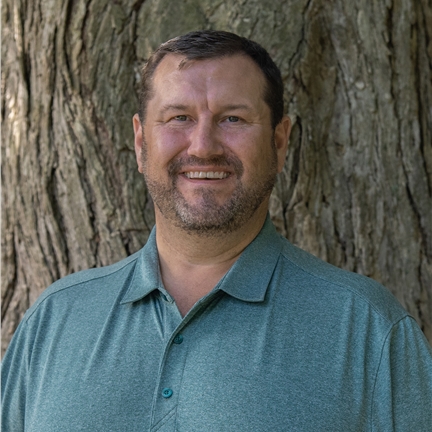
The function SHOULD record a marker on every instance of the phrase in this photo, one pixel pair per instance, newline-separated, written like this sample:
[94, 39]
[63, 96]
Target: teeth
[206, 174]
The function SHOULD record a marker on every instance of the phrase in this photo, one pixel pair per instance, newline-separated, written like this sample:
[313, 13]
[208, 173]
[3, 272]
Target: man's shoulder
[345, 285]
[83, 282]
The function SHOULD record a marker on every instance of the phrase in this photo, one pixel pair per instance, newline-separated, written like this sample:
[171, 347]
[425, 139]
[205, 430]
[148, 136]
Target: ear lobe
[281, 136]
[138, 141]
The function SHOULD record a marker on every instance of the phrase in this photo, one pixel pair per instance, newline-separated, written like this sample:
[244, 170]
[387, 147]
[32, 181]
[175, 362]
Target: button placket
[171, 370]
[167, 392]
[171, 376]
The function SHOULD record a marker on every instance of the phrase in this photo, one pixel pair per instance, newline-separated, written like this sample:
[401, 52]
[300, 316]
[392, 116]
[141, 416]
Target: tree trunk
[356, 189]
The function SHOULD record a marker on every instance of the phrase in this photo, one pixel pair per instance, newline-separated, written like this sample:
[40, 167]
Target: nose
[205, 140]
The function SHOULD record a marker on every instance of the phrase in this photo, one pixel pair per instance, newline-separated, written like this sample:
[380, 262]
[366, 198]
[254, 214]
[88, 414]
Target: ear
[138, 141]
[281, 136]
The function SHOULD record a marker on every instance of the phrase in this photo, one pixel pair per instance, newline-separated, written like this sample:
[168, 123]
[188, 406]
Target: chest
[211, 373]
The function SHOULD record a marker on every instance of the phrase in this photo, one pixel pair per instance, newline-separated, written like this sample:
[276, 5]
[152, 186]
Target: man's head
[211, 44]
[210, 145]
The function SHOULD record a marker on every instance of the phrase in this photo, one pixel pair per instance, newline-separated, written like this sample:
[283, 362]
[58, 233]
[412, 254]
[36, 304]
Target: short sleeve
[402, 399]
[14, 374]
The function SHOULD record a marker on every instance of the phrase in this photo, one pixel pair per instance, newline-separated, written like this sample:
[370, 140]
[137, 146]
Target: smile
[206, 175]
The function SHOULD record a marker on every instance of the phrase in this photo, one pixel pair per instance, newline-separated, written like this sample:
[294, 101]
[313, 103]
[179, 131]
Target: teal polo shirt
[284, 342]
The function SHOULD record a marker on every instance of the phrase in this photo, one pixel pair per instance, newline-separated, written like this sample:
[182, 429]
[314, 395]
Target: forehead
[235, 73]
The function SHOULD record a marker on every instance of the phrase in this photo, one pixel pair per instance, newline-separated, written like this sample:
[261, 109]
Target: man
[218, 323]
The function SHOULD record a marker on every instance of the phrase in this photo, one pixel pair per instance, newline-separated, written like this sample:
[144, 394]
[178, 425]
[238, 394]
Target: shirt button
[167, 393]
[178, 339]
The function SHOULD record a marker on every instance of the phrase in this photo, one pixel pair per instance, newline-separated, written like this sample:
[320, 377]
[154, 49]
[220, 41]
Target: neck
[192, 264]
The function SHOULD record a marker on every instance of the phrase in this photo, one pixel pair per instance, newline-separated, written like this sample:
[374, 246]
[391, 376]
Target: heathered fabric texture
[285, 342]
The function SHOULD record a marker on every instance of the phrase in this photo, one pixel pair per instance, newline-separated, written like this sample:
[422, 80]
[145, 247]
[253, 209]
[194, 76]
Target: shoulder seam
[380, 361]
[345, 287]
[27, 317]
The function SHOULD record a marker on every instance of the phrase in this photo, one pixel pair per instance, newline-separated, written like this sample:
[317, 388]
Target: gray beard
[208, 218]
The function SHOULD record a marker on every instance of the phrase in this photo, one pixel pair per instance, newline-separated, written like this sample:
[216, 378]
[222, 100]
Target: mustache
[228, 161]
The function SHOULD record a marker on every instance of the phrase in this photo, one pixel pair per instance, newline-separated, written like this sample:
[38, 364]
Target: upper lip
[205, 169]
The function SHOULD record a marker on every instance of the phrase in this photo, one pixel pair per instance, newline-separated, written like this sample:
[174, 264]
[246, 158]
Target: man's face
[207, 150]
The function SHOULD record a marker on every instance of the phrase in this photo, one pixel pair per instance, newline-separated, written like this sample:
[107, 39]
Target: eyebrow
[177, 107]
[237, 107]
[181, 107]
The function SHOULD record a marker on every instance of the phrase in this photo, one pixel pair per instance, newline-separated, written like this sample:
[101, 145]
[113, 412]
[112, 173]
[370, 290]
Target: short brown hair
[207, 44]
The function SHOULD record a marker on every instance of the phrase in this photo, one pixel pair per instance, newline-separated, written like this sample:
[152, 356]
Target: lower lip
[205, 181]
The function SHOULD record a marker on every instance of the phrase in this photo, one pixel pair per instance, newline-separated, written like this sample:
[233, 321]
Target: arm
[14, 372]
[402, 398]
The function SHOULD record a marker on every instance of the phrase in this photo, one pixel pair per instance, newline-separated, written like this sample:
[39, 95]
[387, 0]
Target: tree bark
[357, 186]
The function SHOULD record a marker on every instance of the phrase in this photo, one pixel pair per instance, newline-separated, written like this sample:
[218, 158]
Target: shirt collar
[247, 279]
[146, 276]
[250, 275]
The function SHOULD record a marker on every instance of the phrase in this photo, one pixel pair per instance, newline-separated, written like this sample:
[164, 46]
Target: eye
[181, 118]
[233, 119]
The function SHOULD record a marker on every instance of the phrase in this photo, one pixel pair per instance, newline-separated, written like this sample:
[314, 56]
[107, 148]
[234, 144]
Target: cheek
[164, 145]
[258, 155]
